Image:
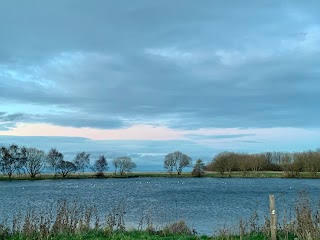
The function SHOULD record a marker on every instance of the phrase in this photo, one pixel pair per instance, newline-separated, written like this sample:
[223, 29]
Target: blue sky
[149, 77]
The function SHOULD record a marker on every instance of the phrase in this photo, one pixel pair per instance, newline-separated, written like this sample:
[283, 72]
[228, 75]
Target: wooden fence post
[273, 218]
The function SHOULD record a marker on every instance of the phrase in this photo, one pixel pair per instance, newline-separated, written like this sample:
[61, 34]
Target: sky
[145, 78]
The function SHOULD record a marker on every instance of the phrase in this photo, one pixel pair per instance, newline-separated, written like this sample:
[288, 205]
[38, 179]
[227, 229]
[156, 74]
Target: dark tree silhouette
[81, 161]
[34, 162]
[178, 161]
[198, 169]
[124, 164]
[100, 165]
[12, 158]
[54, 158]
[66, 167]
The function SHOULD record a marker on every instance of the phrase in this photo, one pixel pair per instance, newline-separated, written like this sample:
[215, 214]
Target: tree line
[32, 161]
[177, 161]
[292, 164]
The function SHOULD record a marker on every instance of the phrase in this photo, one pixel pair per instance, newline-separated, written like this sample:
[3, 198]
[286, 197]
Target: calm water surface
[206, 204]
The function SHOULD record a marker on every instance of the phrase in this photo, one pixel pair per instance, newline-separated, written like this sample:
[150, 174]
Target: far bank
[208, 174]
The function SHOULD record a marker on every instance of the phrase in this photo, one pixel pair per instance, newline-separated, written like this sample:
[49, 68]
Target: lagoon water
[206, 204]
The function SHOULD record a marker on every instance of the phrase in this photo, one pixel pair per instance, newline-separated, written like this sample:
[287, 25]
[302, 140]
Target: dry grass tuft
[73, 219]
[178, 228]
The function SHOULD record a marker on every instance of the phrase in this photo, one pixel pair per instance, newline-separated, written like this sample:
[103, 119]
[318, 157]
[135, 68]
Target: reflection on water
[206, 204]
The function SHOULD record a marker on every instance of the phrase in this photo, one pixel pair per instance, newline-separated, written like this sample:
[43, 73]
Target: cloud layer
[182, 65]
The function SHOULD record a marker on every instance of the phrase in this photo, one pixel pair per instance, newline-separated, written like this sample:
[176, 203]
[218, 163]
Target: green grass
[139, 235]
[71, 221]
[133, 235]
[117, 235]
[238, 174]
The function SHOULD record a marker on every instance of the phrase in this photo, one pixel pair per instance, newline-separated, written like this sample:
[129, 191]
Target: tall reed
[72, 218]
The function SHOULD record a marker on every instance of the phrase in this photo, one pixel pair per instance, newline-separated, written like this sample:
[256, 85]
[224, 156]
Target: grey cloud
[250, 63]
[11, 117]
[6, 126]
[74, 120]
[30, 92]
[8, 121]
[206, 137]
[249, 141]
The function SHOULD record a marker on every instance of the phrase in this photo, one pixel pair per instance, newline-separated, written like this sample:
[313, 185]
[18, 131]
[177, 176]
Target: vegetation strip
[73, 221]
[17, 162]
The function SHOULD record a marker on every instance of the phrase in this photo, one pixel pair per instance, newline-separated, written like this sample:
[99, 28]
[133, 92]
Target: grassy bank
[73, 221]
[101, 235]
[260, 174]
[139, 235]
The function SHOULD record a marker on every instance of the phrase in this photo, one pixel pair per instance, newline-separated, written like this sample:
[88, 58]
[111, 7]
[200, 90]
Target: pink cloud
[137, 132]
[266, 138]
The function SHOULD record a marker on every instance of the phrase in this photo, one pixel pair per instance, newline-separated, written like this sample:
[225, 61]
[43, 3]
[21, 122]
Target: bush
[198, 169]
[99, 175]
[4, 232]
[178, 228]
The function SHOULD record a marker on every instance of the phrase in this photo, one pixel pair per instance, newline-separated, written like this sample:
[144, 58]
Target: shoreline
[89, 175]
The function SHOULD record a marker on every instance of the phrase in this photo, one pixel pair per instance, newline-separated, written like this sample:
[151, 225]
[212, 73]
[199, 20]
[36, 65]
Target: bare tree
[271, 162]
[256, 162]
[124, 164]
[198, 169]
[54, 158]
[66, 167]
[268, 157]
[276, 157]
[299, 163]
[287, 163]
[169, 163]
[311, 161]
[81, 161]
[100, 165]
[116, 164]
[177, 160]
[243, 161]
[224, 162]
[231, 163]
[35, 161]
[11, 159]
